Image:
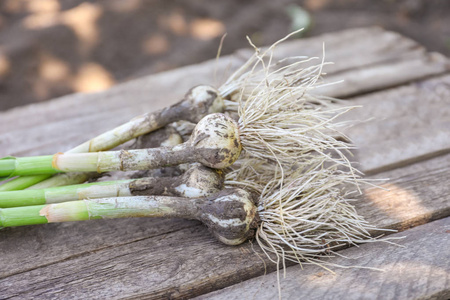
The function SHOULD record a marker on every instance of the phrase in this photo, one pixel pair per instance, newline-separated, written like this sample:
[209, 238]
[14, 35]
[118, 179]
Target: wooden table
[404, 135]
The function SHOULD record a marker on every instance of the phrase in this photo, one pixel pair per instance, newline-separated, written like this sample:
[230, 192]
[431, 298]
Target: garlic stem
[197, 103]
[198, 181]
[214, 143]
[230, 214]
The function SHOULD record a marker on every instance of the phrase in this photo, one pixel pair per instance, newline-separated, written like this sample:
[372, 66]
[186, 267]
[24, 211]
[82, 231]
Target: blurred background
[50, 48]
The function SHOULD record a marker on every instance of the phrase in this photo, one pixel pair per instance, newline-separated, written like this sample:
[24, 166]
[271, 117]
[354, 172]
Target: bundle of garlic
[288, 181]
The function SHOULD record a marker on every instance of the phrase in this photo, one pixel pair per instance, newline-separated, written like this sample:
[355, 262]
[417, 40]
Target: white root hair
[295, 158]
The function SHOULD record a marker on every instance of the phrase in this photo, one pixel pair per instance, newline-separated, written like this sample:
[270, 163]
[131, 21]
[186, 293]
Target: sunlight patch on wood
[175, 22]
[53, 69]
[92, 77]
[156, 44]
[206, 29]
[324, 278]
[43, 6]
[41, 20]
[408, 271]
[83, 20]
[404, 268]
[405, 272]
[4, 65]
[397, 202]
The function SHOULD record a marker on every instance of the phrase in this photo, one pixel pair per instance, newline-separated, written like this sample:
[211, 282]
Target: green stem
[168, 136]
[230, 214]
[197, 103]
[105, 208]
[21, 183]
[22, 198]
[131, 160]
[215, 143]
[63, 179]
[23, 166]
[7, 167]
[20, 216]
[198, 181]
[65, 193]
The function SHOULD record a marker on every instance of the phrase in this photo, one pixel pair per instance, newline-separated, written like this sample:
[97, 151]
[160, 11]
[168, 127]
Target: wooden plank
[412, 197]
[85, 259]
[391, 107]
[63, 123]
[398, 126]
[161, 86]
[182, 262]
[394, 127]
[418, 270]
[383, 75]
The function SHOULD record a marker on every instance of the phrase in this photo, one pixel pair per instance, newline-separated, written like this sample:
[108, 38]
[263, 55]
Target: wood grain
[66, 122]
[420, 269]
[386, 74]
[401, 125]
[157, 258]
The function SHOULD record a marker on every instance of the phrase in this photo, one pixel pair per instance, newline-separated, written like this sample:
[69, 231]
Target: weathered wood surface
[155, 258]
[402, 125]
[180, 259]
[66, 122]
[418, 270]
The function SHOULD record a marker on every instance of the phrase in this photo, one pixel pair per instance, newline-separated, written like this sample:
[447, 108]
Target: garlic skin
[199, 102]
[216, 141]
[199, 181]
[231, 215]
